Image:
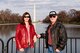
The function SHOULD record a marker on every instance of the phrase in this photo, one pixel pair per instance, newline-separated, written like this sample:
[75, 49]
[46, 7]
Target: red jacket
[22, 36]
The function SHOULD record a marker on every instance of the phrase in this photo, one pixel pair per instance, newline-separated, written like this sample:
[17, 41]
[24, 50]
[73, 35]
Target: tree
[72, 13]
[63, 16]
[46, 20]
[6, 16]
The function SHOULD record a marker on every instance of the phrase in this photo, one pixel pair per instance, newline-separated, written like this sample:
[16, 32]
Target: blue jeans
[51, 49]
[27, 50]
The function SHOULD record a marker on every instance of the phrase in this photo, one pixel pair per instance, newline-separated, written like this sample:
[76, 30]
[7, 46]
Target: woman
[25, 34]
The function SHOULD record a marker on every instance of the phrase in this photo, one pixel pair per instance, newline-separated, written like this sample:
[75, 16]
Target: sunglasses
[52, 16]
[26, 16]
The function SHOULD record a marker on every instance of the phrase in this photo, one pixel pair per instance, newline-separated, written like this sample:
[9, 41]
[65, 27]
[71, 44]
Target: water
[7, 31]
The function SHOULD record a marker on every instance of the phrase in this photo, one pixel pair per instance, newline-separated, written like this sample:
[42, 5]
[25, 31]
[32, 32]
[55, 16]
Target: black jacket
[58, 34]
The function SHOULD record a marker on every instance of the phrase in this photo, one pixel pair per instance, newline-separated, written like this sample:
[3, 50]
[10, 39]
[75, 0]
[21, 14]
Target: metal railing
[73, 45]
[40, 45]
[2, 46]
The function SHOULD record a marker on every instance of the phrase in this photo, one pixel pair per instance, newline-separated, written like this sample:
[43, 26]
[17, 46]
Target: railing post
[2, 45]
[39, 46]
[66, 48]
[71, 45]
[34, 47]
[75, 46]
[43, 46]
[8, 43]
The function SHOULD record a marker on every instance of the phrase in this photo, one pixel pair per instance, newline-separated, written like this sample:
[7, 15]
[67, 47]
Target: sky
[43, 7]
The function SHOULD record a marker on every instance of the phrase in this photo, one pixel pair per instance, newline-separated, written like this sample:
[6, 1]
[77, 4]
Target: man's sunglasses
[52, 16]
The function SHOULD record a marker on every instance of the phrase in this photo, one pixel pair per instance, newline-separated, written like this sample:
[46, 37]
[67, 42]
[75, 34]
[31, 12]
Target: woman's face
[26, 18]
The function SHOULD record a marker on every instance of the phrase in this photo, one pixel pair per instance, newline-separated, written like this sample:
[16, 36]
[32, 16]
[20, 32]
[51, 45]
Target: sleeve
[45, 34]
[17, 37]
[34, 32]
[62, 38]
[42, 35]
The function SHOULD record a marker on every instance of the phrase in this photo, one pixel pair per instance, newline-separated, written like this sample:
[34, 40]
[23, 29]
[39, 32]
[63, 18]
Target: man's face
[53, 19]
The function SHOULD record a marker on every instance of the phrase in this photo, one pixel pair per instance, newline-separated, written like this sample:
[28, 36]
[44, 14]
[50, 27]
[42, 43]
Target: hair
[30, 21]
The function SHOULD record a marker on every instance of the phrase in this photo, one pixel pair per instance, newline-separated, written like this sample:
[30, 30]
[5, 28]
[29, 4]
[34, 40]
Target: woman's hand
[21, 49]
[35, 38]
[38, 35]
[57, 50]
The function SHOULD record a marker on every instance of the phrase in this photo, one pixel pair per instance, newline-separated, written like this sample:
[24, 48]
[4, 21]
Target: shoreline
[71, 25]
[33, 22]
[66, 25]
[9, 24]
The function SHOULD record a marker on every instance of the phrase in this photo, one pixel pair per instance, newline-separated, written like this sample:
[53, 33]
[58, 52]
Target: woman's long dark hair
[30, 21]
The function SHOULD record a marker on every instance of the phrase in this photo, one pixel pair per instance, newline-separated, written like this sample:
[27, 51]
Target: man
[55, 35]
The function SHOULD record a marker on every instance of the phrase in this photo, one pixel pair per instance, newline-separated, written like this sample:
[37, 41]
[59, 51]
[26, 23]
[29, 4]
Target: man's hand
[57, 50]
[21, 49]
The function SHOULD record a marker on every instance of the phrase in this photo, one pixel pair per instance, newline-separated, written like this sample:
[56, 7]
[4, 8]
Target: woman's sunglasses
[26, 16]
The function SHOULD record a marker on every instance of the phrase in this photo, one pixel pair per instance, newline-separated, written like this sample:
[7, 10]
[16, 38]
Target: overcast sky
[43, 7]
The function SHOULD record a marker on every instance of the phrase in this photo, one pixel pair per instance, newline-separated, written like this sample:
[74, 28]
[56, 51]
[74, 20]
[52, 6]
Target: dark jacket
[58, 34]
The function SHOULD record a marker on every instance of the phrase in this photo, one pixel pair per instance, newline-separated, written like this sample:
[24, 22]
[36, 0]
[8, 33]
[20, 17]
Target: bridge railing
[71, 47]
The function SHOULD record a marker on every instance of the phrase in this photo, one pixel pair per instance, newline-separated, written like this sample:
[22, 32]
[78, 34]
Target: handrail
[73, 37]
